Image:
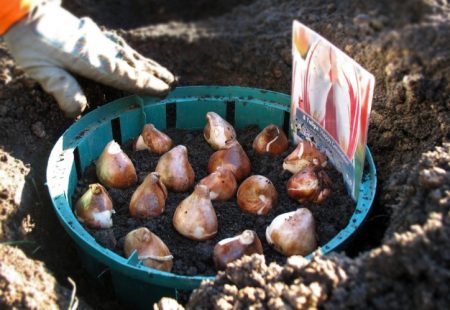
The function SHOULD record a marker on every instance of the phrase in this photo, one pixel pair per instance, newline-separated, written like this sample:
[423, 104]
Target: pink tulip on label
[319, 83]
[330, 96]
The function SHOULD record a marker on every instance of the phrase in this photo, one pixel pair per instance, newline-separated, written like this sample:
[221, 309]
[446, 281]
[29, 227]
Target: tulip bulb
[114, 168]
[257, 195]
[271, 140]
[153, 140]
[149, 199]
[95, 207]
[293, 233]
[230, 249]
[151, 250]
[218, 132]
[305, 155]
[309, 185]
[175, 170]
[195, 217]
[232, 158]
[221, 183]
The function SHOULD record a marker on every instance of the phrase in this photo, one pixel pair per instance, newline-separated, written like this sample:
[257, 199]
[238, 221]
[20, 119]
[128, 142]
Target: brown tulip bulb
[221, 183]
[218, 132]
[151, 250]
[257, 195]
[271, 140]
[175, 170]
[232, 158]
[195, 217]
[149, 199]
[95, 207]
[293, 233]
[305, 155]
[114, 168]
[309, 185]
[230, 249]
[153, 140]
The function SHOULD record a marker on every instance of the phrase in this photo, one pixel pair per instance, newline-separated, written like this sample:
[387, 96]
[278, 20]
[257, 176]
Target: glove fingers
[135, 59]
[61, 85]
[141, 81]
[146, 64]
[120, 73]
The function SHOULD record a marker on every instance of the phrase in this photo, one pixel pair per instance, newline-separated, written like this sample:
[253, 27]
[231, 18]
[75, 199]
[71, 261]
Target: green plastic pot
[123, 119]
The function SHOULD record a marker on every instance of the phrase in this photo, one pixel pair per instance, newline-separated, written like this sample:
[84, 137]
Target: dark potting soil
[193, 257]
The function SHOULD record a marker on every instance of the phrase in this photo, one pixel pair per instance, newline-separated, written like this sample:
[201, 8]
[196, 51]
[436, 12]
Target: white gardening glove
[50, 41]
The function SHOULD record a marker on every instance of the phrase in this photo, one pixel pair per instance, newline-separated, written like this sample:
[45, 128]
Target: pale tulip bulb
[271, 140]
[195, 217]
[149, 199]
[293, 233]
[95, 207]
[231, 249]
[218, 132]
[153, 140]
[232, 158]
[175, 170]
[309, 185]
[304, 156]
[114, 168]
[221, 183]
[151, 250]
[257, 195]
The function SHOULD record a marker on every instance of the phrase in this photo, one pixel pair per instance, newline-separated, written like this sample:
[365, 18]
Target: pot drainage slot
[116, 132]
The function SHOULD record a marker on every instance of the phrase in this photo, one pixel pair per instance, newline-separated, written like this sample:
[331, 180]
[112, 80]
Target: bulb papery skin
[257, 195]
[305, 155]
[230, 249]
[114, 168]
[221, 183]
[149, 199]
[218, 132]
[151, 250]
[309, 184]
[153, 140]
[293, 233]
[175, 170]
[95, 208]
[195, 217]
[271, 140]
[232, 158]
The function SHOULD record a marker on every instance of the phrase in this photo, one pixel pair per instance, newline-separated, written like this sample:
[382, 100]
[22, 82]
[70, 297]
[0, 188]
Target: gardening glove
[49, 41]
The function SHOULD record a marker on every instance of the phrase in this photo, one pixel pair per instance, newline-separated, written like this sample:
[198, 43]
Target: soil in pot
[195, 258]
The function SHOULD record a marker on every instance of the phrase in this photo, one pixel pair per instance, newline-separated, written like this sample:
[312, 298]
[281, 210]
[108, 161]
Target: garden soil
[400, 259]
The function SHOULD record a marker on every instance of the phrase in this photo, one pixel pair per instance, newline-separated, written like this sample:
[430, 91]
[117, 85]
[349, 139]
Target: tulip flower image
[335, 93]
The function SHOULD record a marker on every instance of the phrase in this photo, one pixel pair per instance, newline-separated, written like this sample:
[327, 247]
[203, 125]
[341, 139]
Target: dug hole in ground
[401, 258]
